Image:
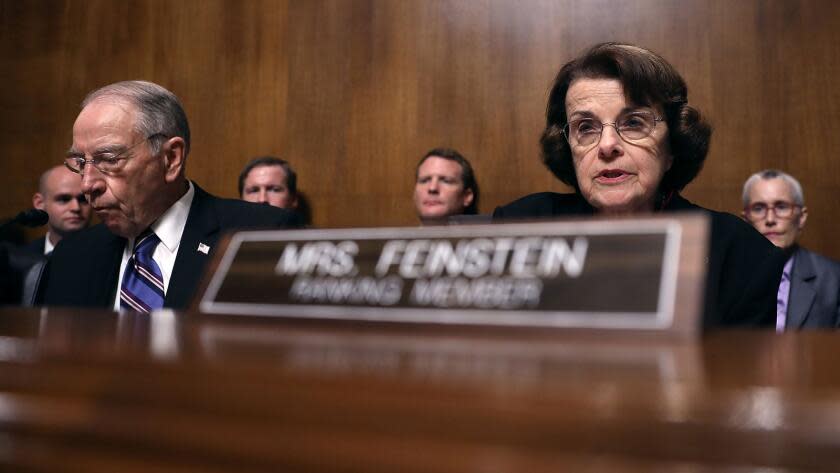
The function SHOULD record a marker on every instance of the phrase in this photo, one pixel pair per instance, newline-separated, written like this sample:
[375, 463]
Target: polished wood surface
[354, 92]
[97, 391]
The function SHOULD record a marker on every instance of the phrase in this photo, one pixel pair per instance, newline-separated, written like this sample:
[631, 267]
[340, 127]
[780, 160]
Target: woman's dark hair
[467, 174]
[648, 80]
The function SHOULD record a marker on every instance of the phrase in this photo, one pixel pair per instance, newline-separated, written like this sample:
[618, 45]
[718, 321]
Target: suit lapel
[202, 228]
[105, 267]
[37, 246]
[803, 283]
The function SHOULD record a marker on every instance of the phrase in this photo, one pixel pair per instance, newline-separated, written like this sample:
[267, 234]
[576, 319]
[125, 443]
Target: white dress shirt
[48, 245]
[169, 228]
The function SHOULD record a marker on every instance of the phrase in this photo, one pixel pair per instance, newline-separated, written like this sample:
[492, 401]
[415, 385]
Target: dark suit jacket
[84, 267]
[814, 300]
[32, 276]
[15, 264]
[37, 245]
[744, 268]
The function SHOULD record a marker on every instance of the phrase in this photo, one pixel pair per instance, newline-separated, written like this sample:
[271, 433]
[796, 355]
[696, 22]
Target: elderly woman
[619, 130]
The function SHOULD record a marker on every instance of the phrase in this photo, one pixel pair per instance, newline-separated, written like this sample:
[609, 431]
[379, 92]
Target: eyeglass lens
[780, 209]
[632, 127]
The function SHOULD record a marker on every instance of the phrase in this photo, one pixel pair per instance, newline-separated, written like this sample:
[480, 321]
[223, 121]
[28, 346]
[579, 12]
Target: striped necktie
[142, 284]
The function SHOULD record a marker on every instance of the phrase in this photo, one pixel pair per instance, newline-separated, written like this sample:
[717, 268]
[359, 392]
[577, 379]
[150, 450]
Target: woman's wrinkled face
[616, 174]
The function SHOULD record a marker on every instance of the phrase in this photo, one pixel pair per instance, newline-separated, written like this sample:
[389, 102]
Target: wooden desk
[101, 392]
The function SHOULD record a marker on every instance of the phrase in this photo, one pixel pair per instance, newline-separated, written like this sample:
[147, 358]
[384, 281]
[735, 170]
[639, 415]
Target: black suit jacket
[16, 261]
[743, 268]
[814, 300]
[84, 267]
[36, 246]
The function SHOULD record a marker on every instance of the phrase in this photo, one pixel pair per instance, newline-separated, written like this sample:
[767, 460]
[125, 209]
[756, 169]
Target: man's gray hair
[767, 174]
[158, 110]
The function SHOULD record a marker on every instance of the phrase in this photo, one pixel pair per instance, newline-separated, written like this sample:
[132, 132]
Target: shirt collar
[170, 226]
[48, 245]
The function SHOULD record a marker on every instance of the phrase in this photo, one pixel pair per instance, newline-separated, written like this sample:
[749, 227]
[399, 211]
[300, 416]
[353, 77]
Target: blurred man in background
[809, 292]
[269, 180]
[60, 195]
[445, 186]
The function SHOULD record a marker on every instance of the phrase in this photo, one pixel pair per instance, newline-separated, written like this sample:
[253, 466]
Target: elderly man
[810, 286]
[269, 180]
[130, 146]
[60, 196]
[445, 186]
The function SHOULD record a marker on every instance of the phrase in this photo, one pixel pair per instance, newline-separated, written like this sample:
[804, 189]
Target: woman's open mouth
[612, 176]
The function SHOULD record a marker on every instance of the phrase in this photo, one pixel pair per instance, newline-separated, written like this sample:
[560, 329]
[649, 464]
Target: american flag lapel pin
[203, 248]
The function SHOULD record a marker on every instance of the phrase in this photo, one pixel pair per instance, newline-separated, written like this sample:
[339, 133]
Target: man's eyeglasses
[632, 126]
[782, 209]
[105, 161]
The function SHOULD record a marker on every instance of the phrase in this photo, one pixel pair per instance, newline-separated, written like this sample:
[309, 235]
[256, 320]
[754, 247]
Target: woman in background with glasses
[619, 130]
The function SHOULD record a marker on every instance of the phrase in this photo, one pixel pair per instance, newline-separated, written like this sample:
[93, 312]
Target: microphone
[29, 218]
[32, 218]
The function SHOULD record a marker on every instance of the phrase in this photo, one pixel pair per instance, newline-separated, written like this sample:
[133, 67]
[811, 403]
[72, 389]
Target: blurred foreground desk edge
[98, 391]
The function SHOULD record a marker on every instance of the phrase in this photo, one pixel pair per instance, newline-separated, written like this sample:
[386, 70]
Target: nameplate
[644, 274]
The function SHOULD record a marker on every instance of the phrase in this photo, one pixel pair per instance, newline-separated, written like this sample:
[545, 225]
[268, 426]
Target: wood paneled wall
[353, 92]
